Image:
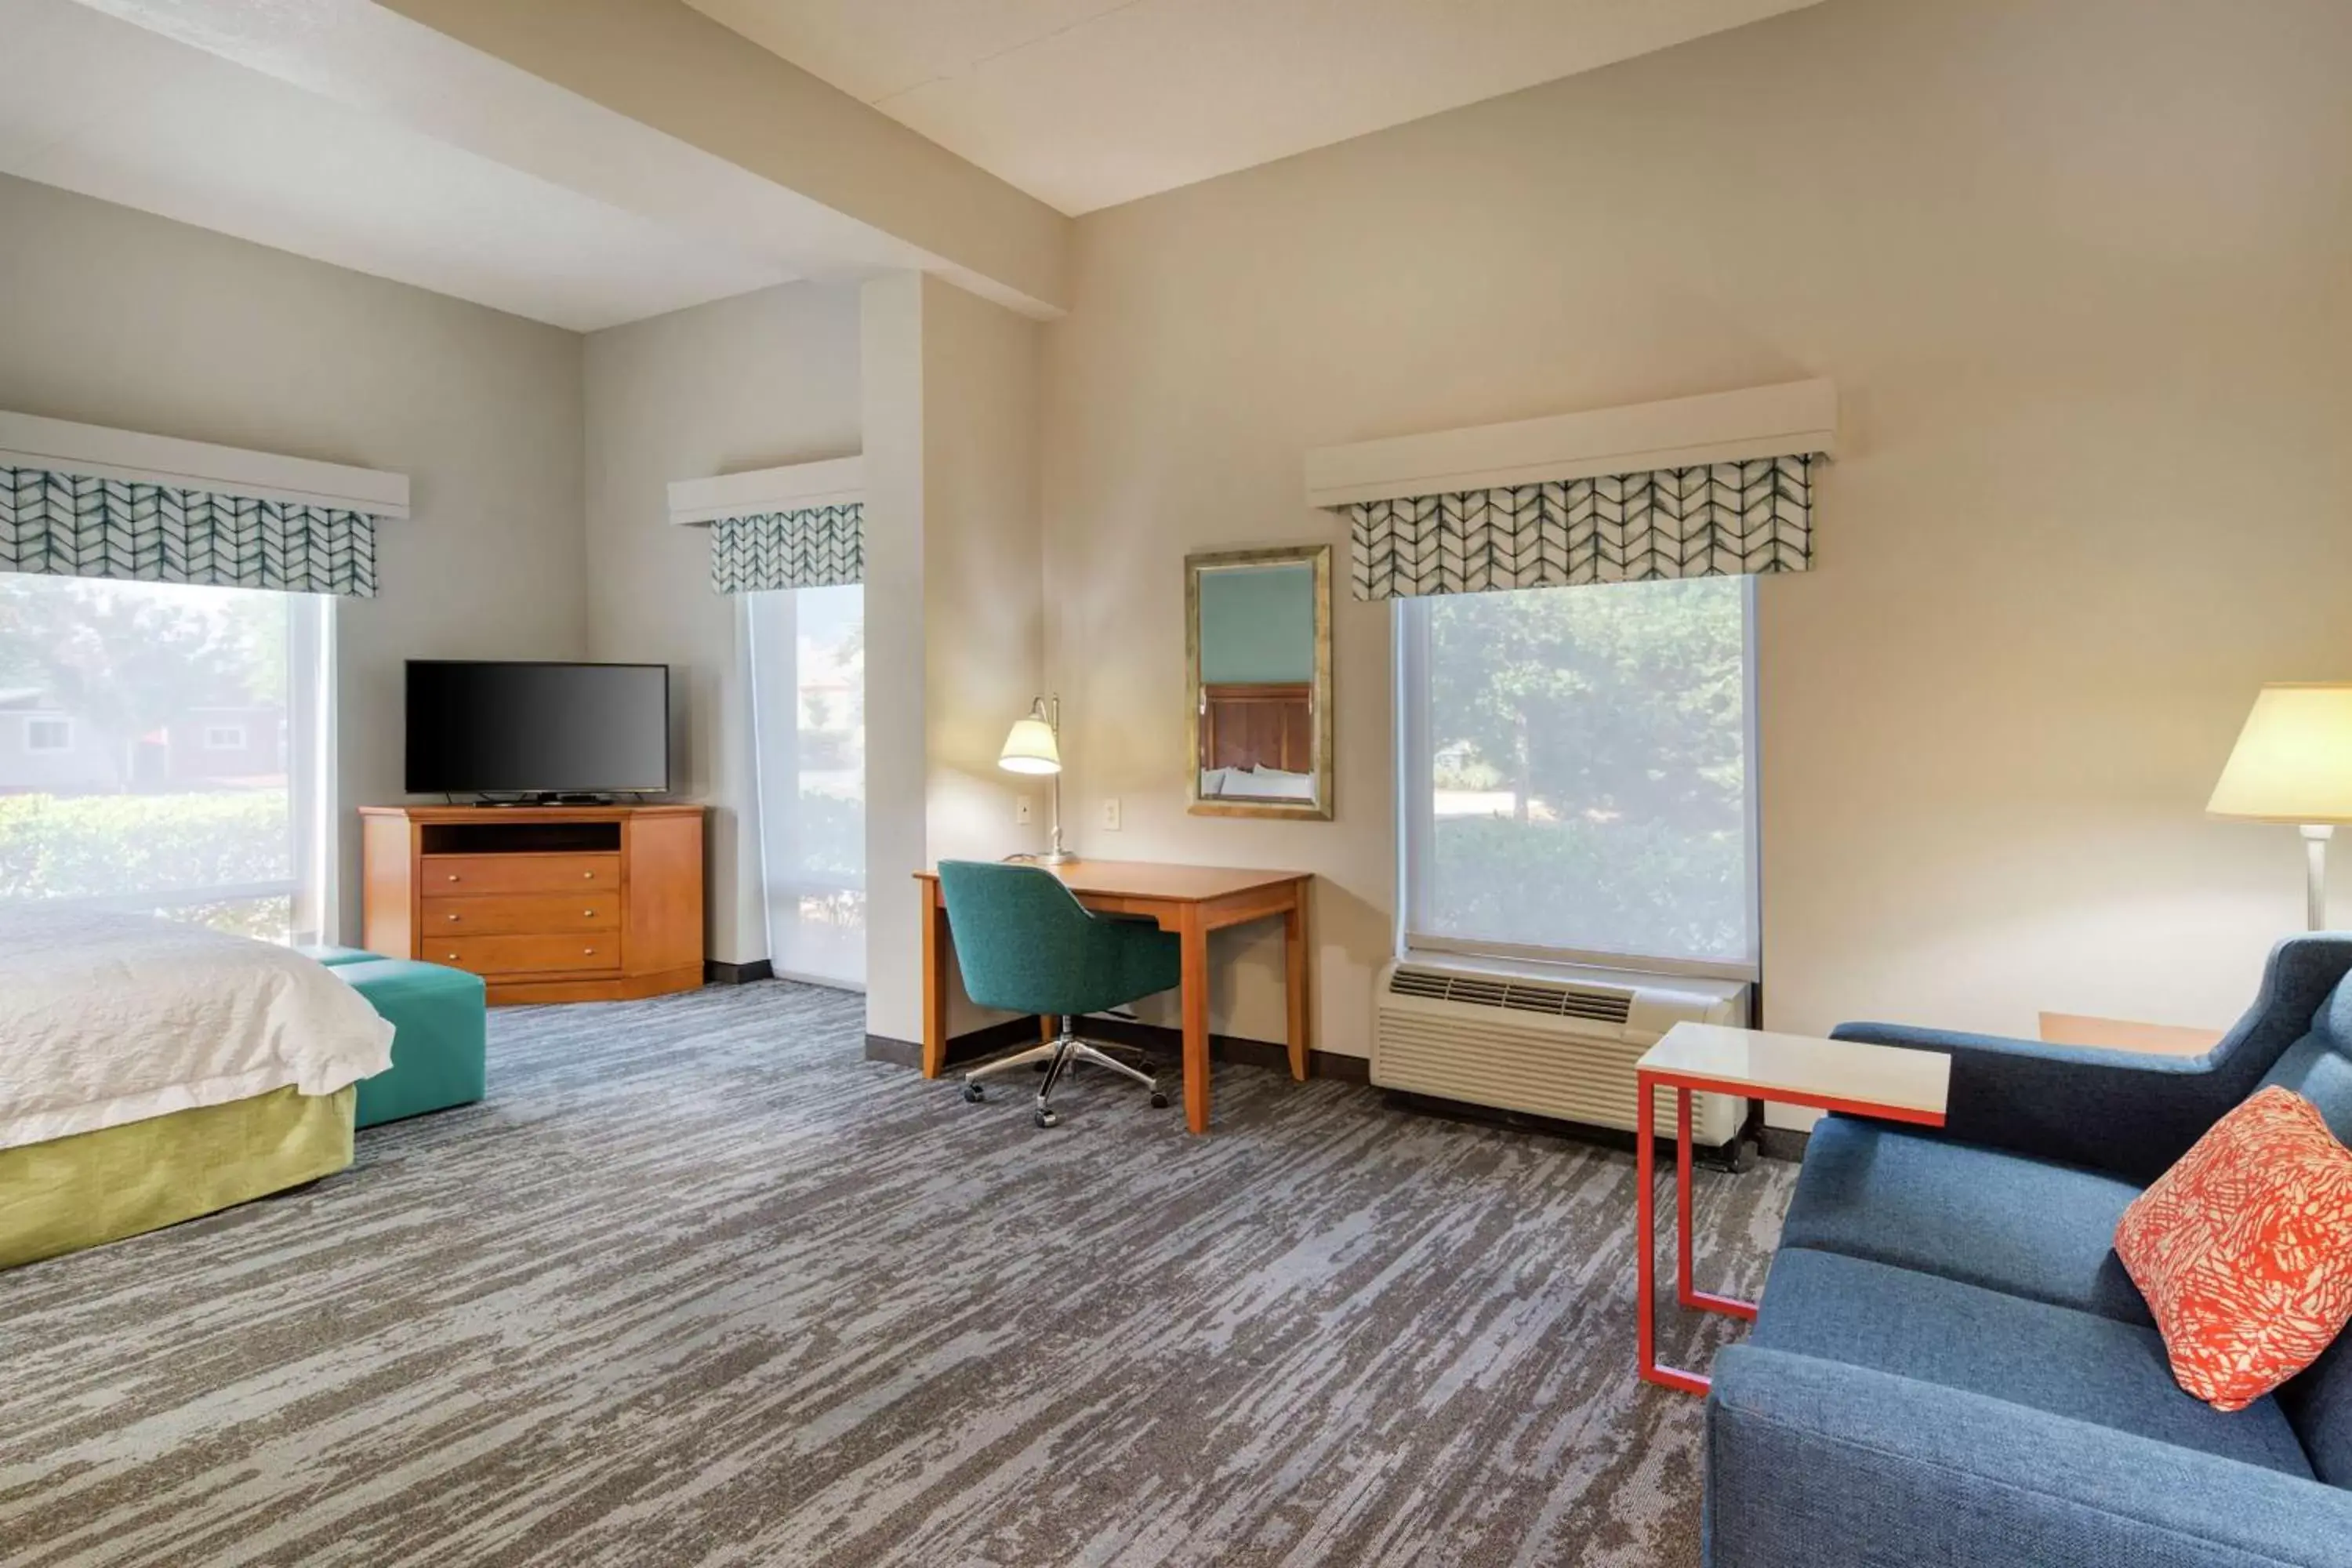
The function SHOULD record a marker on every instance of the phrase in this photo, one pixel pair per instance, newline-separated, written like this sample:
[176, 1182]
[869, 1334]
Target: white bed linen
[108, 1018]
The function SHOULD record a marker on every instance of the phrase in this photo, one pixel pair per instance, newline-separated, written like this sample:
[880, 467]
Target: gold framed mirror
[1257, 637]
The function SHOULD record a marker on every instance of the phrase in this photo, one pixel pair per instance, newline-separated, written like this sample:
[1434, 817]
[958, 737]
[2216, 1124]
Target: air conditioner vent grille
[1594, 1004]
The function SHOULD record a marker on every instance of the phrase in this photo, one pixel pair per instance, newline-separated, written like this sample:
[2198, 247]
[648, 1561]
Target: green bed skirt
[93, 1187]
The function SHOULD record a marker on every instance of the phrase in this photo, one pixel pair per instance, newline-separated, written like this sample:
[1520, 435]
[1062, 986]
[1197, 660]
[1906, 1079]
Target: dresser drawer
[458, 874]
[587, 953]
[522, 914]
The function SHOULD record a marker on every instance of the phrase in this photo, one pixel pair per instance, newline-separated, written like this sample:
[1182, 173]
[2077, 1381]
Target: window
[807, 652]
[108, 813]
[1576, 773]
[223, 738]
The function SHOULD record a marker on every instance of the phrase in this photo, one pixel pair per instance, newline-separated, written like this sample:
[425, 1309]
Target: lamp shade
[2293, 762]
[1030, 748]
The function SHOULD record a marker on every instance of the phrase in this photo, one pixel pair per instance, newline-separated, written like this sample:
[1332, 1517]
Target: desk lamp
[1035, 747]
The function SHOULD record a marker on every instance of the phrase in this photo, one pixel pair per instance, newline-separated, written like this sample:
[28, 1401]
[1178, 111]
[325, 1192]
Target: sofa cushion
[2316, 1069]
[2053, 1358]
[2006, 1222]
[2318, 1405]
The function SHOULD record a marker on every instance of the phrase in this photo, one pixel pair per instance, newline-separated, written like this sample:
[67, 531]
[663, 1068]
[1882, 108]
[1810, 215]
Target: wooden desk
[1190, 900]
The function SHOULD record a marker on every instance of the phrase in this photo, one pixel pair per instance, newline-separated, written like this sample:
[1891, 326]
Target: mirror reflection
[1260, 637]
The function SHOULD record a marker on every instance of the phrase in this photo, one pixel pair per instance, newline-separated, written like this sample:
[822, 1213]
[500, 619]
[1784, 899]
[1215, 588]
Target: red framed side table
[1890, 1082]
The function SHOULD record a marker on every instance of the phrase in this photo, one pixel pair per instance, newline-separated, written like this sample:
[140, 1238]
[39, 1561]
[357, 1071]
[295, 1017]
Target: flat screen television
[537, 729]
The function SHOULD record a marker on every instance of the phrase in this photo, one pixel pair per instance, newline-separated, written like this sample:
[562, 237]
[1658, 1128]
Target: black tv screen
[568, 729]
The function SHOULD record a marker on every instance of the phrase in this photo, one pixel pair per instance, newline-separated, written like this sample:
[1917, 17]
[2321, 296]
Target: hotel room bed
[151, 1072]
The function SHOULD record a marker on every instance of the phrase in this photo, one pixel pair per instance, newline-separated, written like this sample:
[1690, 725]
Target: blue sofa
[1951, 1365]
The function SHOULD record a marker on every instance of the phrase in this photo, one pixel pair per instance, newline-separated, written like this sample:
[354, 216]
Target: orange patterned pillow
[2243, 1249]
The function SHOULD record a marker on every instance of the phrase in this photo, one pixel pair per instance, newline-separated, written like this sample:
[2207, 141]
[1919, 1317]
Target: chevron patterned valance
[1715, 520]
[76, 525]
[814, 547]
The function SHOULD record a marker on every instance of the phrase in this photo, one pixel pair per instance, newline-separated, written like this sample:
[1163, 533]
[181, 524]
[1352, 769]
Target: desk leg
[1296, 948]
[937, 945]
[1194, 941]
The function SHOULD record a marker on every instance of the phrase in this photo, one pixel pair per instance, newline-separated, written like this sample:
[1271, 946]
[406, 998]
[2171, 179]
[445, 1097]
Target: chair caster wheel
[1158, 1100]
[975, 1095]
[1048, 1119]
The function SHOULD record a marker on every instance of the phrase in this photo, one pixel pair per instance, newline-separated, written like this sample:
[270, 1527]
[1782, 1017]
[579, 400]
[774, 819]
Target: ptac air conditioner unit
[1548, 1039]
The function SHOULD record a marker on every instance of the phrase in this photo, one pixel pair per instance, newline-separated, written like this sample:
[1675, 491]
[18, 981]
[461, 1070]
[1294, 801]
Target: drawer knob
[453, 958]
[589, 952]
[452, 917]
[587, 914]
[587, 876]
[453, 876]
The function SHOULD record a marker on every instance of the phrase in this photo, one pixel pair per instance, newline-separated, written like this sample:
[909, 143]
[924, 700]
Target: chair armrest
[2123, 1111]
[1812, 1462]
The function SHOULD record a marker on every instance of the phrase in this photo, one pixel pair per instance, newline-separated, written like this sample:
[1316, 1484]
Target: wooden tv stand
[547, 904]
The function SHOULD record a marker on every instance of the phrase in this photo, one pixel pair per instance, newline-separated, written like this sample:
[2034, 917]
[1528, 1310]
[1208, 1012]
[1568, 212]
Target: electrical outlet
[1110, 814]
[1021, 810]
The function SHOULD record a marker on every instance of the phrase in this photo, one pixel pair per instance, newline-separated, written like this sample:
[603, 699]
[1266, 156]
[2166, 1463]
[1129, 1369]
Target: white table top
[1802, 1069]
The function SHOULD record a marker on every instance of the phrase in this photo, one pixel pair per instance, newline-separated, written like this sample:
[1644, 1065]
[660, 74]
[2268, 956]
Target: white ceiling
[111, 110]
[342, 130]
[1088, 103]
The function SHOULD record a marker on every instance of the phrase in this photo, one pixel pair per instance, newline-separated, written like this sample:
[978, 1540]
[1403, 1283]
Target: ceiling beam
[664, 64]
[650, 107]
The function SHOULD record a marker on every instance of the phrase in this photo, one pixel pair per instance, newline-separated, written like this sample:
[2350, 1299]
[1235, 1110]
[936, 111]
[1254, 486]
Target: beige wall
[748, 383]
[983, 567]
[954, 606]
[113, 317]
[983, 579]
[2079, 271]
[891, 323]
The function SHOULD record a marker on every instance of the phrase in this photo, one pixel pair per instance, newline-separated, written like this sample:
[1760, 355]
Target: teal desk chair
[1027, 945]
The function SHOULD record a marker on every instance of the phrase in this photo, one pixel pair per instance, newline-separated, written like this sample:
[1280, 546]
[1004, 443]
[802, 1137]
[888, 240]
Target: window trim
[310, 721]
[34, 721]
[1415, 791]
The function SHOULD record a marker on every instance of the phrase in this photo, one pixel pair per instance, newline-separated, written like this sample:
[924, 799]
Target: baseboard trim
[1157, 1038]
[718, 972]
[1548, 1126]
[1162, 1040]
[967, 1048]
[1773, 1142]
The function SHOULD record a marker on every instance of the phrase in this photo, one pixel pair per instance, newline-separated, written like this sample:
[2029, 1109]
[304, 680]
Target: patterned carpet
[698, 1285]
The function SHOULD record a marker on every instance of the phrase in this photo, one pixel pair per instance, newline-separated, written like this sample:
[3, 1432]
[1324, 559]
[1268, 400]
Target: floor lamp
[1035, 747]
[2293, 762]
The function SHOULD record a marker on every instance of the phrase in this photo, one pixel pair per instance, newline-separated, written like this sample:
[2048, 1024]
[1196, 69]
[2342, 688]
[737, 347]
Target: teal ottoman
[336, 957]
[440, 1037]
